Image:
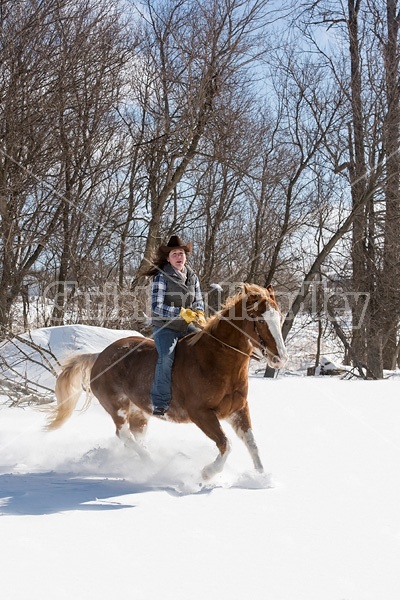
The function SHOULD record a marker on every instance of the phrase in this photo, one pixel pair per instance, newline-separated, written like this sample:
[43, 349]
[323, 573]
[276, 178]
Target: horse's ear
[245, 289]
[271, 292]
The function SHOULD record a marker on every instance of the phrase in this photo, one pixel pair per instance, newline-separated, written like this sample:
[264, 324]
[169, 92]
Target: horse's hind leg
[121, 418]
[207, 421]
[125, 435]
[241, 423]
[138, 421]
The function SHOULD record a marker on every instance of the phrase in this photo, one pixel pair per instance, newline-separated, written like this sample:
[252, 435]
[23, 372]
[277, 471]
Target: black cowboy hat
[175, 242]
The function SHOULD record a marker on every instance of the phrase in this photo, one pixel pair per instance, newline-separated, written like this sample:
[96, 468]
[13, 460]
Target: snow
[82, 517]
[60, 341]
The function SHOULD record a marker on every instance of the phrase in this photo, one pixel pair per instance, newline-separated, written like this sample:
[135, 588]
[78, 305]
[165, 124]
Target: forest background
[267, 133]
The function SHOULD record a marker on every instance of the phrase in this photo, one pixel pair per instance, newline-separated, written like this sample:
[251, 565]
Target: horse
[209, 376]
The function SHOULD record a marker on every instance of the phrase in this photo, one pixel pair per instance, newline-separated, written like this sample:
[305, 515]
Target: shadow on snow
[47, 493]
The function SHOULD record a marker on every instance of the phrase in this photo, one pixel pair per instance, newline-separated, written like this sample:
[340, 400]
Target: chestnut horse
[209, 376]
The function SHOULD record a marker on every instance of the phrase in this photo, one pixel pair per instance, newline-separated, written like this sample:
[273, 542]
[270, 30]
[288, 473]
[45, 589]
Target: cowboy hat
[175, 242]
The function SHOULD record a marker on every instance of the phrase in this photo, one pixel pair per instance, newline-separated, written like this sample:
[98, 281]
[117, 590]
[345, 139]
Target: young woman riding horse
[209, 375]
[176, 303]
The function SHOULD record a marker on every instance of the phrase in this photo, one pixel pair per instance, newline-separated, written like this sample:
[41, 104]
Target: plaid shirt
[160, 309]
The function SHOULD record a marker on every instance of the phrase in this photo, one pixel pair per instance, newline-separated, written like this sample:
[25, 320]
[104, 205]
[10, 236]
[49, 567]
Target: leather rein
[262, 344]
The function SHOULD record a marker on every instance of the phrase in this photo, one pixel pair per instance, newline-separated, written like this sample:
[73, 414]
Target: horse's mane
[244, 292]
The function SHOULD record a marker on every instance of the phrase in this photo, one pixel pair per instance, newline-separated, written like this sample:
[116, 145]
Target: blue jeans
[165, 340]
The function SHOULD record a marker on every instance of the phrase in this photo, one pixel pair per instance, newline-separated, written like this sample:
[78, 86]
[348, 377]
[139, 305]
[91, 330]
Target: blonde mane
[244, 292]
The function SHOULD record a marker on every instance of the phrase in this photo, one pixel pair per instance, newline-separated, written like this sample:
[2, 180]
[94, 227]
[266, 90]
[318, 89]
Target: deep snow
[81, 517]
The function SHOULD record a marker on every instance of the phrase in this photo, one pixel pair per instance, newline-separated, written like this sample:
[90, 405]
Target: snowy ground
[82, 518]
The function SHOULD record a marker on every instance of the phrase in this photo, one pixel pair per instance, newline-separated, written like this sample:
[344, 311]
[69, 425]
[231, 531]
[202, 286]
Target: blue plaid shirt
[160, 309]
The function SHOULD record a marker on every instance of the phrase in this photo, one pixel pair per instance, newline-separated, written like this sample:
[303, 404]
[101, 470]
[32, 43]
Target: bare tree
[367, 154]
[29, 202]
[308, 111]
[391, 253]
[87, 85]
[195, 52]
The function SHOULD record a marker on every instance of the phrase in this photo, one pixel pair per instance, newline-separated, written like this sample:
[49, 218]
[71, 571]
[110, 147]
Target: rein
[233, 347]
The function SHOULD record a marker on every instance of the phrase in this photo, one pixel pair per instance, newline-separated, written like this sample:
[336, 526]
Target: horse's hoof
[208, 472]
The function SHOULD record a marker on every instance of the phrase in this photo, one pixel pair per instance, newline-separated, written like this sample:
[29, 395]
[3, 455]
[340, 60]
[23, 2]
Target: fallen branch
[15, 384]
[19, 394]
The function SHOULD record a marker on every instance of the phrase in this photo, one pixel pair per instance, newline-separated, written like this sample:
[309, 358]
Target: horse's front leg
[207, 421]
[241, 423]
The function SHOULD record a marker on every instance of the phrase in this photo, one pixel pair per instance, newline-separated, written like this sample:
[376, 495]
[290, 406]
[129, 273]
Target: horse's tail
[74, 377]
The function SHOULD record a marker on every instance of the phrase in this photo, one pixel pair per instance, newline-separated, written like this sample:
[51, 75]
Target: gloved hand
[200, 318]
[187, 314]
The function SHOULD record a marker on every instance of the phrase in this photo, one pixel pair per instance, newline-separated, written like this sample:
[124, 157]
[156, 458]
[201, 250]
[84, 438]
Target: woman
[176, 304]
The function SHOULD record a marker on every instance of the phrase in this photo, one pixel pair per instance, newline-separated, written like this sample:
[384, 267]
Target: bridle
[228, 345]
[260, 340]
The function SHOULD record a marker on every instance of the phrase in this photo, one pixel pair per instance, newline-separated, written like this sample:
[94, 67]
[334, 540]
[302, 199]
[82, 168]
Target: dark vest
[178, 293]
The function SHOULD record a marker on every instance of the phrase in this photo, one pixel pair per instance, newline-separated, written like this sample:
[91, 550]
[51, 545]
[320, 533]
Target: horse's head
[266, 324]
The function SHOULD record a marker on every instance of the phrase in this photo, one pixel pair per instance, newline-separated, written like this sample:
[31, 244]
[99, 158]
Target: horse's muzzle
[277, 362]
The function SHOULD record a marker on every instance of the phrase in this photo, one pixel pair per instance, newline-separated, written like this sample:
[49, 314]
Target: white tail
[74, 377]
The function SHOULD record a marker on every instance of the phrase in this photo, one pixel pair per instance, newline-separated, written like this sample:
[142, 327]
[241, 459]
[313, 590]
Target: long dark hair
[156, 264]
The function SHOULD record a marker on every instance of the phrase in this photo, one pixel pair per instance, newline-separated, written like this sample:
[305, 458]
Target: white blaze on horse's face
[273, 320]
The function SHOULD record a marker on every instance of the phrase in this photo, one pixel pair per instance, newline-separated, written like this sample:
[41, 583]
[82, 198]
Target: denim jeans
[165, 340]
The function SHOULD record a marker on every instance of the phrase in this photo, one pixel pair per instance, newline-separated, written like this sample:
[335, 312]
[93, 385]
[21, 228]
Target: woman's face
[177, 258]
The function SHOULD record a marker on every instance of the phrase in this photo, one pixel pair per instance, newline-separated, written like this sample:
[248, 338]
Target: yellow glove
[200, 318]
[187, 314]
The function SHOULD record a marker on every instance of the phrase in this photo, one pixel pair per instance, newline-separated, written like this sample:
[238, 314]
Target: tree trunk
[391, 258]
[358, 179]
[60, 298]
